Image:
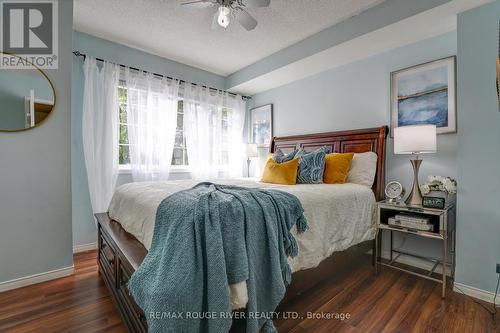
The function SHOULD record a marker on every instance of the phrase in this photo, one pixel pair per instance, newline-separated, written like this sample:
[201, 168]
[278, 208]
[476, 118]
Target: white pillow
[363, 169]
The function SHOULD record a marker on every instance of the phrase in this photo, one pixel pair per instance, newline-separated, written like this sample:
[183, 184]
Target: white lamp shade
[418, 139]
[252, 150]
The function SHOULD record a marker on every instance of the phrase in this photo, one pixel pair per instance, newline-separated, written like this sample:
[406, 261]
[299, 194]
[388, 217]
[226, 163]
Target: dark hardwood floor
[77, 303]
[390, 302]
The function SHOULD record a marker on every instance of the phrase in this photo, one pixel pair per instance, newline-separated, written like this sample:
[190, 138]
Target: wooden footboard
[119, 255]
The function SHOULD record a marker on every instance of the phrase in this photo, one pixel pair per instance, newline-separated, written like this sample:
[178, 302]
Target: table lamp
[251, 152]
[415, 140]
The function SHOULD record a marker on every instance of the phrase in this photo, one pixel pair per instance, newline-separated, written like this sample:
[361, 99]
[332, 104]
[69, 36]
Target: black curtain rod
[83, 55]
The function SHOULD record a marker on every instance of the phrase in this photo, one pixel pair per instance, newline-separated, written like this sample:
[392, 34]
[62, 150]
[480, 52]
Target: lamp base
[415, 196]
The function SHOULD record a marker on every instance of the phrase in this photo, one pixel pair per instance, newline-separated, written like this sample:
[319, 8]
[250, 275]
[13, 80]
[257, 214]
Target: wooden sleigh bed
[120, 253]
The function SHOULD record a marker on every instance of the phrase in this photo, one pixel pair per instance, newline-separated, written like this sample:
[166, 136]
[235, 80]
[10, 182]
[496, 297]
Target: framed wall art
[498, 67]
[425, 94]
[261, 125]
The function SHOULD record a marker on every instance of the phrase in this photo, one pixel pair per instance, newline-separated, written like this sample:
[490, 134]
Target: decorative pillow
[280, 173]
[363, 169]
[337, 167]
[281, 157]
[311, 166]
[324, 149]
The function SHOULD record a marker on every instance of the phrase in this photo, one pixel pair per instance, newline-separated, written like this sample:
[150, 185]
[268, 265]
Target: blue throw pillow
[311, 166]
[280, 157]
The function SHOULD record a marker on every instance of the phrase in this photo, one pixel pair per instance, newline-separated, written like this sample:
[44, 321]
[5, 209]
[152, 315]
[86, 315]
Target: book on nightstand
[415, 225]
[412, 218]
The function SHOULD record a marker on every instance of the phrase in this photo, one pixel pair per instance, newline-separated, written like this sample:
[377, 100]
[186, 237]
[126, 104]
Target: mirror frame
[51, 87]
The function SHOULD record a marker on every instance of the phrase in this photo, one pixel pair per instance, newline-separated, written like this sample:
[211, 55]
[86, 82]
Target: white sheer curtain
[100, 130]
[152, 120]
[213, 126]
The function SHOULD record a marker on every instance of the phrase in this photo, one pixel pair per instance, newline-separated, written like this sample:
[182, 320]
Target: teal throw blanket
[207, 238]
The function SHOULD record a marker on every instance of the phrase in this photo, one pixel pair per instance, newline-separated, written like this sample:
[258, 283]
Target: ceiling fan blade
[246, 20]
[198, 4]
[256, 3]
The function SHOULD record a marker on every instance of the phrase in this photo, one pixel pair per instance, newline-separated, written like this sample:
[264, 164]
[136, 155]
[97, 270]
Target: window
[123, 145]
[225, 137]
[179, 155]
[218, 127]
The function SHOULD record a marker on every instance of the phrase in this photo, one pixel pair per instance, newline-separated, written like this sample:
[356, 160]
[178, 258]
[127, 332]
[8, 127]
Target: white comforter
[339, 216]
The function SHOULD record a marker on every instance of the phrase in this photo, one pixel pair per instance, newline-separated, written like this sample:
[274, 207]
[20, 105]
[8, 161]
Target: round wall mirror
[27, 98]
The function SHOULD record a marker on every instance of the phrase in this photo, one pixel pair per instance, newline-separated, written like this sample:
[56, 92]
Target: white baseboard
[36, 278]
[474, 292]
[84, 247]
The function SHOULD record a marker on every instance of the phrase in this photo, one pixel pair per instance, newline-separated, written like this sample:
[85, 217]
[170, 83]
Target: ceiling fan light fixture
[223, 18]
[228, 10]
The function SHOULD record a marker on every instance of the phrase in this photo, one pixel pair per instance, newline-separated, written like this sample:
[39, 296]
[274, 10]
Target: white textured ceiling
[163, 28]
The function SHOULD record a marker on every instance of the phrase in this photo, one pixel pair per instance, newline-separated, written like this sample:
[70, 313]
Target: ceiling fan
[230, 8]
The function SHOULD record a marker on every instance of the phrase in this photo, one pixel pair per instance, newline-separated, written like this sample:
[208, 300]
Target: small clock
[394, 191]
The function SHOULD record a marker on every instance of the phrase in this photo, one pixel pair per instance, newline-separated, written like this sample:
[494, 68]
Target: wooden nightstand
[443, 221]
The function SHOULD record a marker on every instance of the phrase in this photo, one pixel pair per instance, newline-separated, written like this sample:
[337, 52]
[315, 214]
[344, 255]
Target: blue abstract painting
[421, 96]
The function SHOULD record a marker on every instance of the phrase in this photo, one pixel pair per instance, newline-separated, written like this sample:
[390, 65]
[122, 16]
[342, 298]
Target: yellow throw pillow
[337, 168]
[280, 173]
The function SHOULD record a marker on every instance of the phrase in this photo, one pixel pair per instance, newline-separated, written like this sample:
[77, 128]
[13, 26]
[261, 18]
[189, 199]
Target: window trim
[125, 169]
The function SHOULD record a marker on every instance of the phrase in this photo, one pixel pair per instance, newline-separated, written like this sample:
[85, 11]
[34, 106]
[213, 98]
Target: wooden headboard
[355, 141]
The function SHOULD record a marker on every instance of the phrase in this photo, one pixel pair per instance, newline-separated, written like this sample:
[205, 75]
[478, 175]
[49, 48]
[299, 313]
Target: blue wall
[35, 196]
[478, 229]
[84, 231]
[358, 96]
